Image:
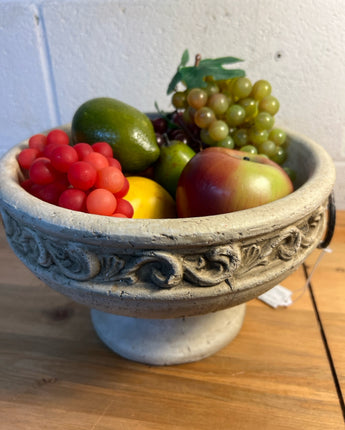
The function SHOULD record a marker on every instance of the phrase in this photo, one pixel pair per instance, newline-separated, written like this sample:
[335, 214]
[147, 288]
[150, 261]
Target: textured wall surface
[56, 54]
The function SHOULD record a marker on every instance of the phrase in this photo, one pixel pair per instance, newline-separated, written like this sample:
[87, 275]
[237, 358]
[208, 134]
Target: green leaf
[185, 58]
[227, 74]
[175, 80]
[194, 76]
[220, 61]
[177, 77]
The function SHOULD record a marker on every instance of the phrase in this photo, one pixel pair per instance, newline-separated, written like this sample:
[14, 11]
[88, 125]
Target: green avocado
[129, 131]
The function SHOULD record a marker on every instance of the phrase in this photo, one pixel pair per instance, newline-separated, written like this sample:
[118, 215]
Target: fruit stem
[167, 141]
[197, 60]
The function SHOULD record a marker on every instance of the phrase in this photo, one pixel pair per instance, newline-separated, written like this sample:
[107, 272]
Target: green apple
[172, 160]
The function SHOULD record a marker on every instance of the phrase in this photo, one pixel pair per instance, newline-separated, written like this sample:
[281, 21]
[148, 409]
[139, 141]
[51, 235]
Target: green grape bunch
[223, 107]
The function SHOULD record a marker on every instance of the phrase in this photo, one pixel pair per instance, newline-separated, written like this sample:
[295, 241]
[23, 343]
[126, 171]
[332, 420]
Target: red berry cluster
[83, 177]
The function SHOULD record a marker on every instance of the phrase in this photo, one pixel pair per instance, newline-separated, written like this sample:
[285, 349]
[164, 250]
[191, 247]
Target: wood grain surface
[328, 287]
[285, 370]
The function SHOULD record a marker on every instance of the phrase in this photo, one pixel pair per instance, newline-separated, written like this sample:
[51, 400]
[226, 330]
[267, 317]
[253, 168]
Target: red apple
[220, 180]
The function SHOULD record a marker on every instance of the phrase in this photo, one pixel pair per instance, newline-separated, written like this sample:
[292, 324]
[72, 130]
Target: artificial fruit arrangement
[217, 152]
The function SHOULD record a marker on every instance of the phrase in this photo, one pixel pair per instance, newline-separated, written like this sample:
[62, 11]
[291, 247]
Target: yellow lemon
[149, 199]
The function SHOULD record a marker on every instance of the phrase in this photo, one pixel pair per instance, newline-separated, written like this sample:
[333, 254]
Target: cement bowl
[169, 291]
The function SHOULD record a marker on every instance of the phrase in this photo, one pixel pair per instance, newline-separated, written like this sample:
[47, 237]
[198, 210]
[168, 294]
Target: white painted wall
[56, 54]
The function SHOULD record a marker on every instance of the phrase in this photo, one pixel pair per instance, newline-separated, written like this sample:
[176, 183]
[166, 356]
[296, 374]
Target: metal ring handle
[330, 223]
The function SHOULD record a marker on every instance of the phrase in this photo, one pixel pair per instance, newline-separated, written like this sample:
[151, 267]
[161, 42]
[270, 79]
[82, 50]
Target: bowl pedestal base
[168, 341]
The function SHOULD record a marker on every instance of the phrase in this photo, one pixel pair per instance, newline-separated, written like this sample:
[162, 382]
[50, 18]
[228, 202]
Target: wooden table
[285, 370]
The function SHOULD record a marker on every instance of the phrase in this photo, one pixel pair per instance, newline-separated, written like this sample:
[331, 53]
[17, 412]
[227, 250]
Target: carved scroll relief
[205, 267]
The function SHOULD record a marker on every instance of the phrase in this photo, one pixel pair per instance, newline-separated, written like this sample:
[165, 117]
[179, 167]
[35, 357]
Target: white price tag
[277, 296]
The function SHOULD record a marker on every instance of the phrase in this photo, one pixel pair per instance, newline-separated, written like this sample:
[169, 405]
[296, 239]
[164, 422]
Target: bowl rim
[303, 201]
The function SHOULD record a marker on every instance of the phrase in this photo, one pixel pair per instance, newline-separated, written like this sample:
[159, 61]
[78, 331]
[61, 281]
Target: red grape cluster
[83, 177]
